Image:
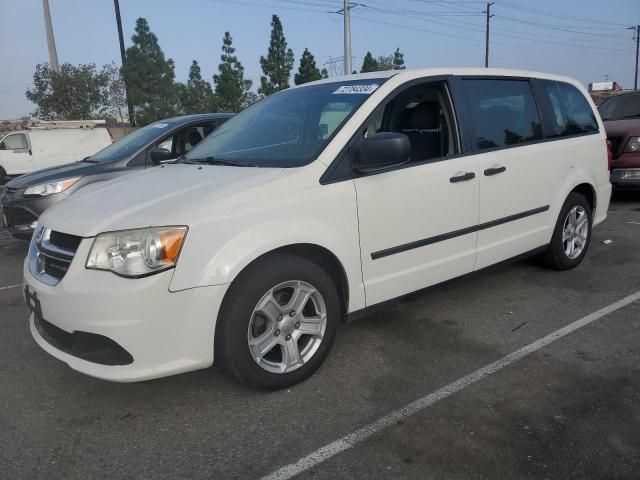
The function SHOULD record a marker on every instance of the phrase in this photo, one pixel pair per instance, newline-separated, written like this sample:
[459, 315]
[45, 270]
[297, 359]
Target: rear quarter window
[571, 113]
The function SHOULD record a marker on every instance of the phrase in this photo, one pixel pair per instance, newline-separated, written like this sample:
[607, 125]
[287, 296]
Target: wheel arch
[589, 192]
[321, 256]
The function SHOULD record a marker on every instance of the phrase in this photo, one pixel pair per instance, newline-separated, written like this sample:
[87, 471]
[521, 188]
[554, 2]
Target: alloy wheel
[287, 326]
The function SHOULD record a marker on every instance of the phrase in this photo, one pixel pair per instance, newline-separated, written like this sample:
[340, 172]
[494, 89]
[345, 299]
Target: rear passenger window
[572, 114]
[503, 113]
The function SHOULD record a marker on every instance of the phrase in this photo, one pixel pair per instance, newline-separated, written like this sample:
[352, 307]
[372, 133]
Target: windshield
[131, 143]
[287, 129]
[619, 107]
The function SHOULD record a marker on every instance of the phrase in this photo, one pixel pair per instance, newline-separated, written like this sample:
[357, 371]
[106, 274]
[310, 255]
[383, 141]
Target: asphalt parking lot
[569, 409]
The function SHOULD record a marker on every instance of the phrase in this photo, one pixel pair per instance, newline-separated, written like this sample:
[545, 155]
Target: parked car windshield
[287, 129]
[619, 107]
[131, 143]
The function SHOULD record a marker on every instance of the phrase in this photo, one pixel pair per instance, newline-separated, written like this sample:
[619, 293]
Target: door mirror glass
[159, 155]
[382, 151]
[3, 146]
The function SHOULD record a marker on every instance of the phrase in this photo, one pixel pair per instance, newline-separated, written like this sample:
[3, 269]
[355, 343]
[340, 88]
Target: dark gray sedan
[26, 197]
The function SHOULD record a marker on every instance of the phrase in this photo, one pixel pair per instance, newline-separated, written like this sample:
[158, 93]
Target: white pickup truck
[29, 150]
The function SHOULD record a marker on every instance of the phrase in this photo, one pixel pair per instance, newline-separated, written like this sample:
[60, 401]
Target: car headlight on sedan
[633, 145]
[137, 253]
[50, 188]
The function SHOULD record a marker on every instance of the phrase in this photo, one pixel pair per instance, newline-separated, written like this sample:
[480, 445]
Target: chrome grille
[51, 254]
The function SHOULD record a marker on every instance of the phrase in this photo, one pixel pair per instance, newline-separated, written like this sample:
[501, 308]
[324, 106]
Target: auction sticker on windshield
[358, 89]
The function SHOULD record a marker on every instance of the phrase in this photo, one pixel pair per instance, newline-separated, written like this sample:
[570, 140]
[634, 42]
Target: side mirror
[382, 151]
[3, 146]
[159, 155]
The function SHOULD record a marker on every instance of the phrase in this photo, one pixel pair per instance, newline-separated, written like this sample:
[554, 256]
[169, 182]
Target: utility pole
[347, 38]
[51, 43]
[636, 29]
[116, 4]
[486, 49]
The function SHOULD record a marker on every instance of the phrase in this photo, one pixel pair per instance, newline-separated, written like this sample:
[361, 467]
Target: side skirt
[365, 312]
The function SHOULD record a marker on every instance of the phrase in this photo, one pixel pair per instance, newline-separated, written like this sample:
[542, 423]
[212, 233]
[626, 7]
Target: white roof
[410, 74]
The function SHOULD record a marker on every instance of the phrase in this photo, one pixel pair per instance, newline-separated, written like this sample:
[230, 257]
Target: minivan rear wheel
[572, 234]
[278, 322]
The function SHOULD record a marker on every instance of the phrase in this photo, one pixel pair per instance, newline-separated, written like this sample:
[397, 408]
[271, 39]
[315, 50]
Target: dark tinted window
[571, 112]
[503, 112]
[623, 106]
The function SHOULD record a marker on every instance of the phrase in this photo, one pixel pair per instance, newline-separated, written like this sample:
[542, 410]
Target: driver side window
[423, 114]
[16, 142]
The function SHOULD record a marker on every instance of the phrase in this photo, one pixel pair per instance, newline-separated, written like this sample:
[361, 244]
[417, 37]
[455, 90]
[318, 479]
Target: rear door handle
[462, 177]
[494, 171]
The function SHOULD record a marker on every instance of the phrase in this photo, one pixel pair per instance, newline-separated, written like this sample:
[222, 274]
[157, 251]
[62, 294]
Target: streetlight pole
[347, 38]
[116, 4]
[51, 42]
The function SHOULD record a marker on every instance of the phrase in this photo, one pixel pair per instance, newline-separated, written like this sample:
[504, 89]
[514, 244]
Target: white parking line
[10, 286]
[350, 440]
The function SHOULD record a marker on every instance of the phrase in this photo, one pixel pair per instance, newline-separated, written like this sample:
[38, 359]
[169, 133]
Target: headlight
[137, 253]
[633, 145]
[50, 188]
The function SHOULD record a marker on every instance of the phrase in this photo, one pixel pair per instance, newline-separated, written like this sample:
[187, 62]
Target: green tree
[369, 64]
[197, 96]
[116, 104]
[308, 71]
[232, 91]
[278, 63]
[398, 60]
[324, 73]
[75, 93]
[150, 77]
[384, 63]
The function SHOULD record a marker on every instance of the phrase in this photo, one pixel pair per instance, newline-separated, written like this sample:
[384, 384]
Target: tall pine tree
[197, 96]
[278, 64]
[232, 90]
[369, 64]
[308, 71]
[149, 77]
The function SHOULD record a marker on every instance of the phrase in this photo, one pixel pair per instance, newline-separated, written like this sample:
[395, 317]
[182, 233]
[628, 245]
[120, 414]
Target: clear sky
[585, 39]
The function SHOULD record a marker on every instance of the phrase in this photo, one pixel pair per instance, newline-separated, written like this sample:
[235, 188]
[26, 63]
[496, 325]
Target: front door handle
[462, 177]
[494, 171]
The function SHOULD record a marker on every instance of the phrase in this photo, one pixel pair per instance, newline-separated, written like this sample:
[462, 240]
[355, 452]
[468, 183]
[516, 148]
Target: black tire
[232, 351]
[3, 176]
[555, 257]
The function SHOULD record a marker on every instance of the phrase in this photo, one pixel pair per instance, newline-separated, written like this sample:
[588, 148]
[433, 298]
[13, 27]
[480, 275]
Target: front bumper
[21, 213]
[626, 178]
[164, 332]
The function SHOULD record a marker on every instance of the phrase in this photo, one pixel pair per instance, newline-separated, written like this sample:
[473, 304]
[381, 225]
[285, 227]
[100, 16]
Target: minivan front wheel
[277, 322]
[572, 234]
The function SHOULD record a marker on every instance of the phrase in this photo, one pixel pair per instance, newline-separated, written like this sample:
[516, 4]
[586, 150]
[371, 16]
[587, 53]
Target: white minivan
[308, 208]
[30, 150]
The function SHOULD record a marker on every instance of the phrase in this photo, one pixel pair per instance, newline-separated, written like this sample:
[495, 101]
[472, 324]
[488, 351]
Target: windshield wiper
[89, 160]
[218, 161]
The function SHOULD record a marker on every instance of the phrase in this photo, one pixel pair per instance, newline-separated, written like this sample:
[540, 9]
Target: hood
[178, 194]
[60, 172]
[622, 128]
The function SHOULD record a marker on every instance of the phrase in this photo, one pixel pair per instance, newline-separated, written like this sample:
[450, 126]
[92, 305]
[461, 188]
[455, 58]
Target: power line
[565, 17]
[471, 27]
